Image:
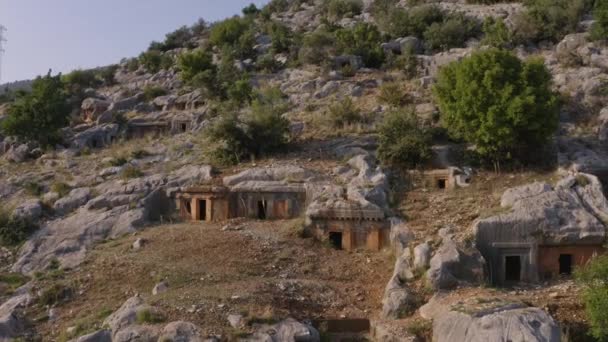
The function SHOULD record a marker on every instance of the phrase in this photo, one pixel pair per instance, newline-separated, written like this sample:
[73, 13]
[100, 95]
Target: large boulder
[92, 108]
[501, 321]
[68, 239]
[455, 264]
[398, 300]
[126, 315]
[72, 201]
[96, 137]
[17, 153]
[30, 210]
[97, 336]
[286, 330]
[181, 332]
[12, 318]
[128, 103]
[571, 213]
[138, 333]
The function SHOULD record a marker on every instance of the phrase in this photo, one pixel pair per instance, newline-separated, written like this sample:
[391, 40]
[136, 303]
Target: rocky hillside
[320, 96]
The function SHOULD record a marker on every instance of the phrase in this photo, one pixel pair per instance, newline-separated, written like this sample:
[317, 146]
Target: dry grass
[262, 271]
[427, 210]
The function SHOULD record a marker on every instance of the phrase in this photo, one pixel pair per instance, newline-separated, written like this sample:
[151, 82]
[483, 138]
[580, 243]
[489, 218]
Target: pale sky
[68, 34]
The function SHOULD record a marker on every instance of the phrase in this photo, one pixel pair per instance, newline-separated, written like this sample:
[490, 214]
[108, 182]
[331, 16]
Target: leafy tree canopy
[40, 114]
[497, 102]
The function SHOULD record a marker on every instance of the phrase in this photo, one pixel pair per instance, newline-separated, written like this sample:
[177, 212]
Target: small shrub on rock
[344, 113]
[392, 94]
[151, 60]
[548, 20]
[14, 231]
[130, 172]
[152, 92]
[148, 316]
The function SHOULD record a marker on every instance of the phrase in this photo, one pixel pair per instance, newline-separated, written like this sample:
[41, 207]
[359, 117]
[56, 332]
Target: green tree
[497, 102]
[317, 47]
[599, 31]
[362, 40]
[40, 114]
[594, 279]
[403, 141]
[77, 81]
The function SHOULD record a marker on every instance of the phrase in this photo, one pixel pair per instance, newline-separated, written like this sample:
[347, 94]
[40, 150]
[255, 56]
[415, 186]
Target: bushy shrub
[151, 60]
[40, 114]
[401, 23]
[179, 38]
[152, 92]
[250, 10]
[339, 9]
[595, 294]
[55, 294]
[392, 94]
[130, 172]
[14, 231]
[496, 33]
[599, 30]
[236, 33]
[403, 141]
[454, 31]
[240, 91]
[148, 316]
[107, 75]
[406, 62]
[60, 188]
[497, 102]
[362, 40]
[262, 130]
[548, 20]
[77, 81]
[317, 47]
[344, 113]
[281, 37]
[197, 68]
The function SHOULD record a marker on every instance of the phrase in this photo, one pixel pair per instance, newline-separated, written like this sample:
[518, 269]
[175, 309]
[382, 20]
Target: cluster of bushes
[440, 30]
[338, 9]
[262, 129]
[221, 81]
[548, 20]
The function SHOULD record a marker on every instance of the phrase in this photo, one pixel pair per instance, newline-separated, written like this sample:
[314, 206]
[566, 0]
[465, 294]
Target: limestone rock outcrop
[454, 264]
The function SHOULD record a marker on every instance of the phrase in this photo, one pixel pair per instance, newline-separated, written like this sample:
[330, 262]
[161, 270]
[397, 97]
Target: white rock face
[506, 323]
[75, 199]
[564, 214]
[453, 265]
[181, 331]
[159, 288]
[30, 210]
[422, 256]
[287, 330]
